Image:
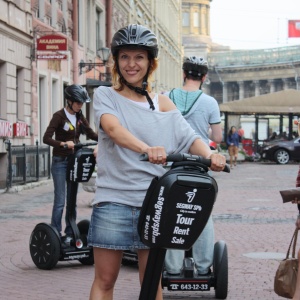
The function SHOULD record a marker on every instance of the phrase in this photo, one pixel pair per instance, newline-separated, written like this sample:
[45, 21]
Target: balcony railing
[282, 55]
[27, 164]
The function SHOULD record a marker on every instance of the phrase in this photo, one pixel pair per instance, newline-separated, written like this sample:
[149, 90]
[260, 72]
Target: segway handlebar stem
[80, 145]
[179, 157]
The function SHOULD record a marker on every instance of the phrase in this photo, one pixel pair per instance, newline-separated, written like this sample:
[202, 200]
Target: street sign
[52, 43]
[54, 56]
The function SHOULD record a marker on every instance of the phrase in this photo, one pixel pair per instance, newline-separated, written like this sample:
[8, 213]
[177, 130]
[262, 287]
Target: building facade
[49, 44]
[164, 19]
[237, 74]
[15, 77]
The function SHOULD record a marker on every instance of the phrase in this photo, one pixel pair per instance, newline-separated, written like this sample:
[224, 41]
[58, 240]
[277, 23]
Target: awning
[282, 102]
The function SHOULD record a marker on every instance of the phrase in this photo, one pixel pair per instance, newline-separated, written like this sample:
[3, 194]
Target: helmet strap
[142, 91]
[70, 105]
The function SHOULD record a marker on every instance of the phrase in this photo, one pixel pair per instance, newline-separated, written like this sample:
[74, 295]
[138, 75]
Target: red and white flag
[294, 28]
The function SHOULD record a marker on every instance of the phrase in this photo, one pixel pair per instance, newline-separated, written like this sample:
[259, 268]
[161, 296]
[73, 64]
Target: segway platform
[45, 244]
[189, 280]
[181, 283]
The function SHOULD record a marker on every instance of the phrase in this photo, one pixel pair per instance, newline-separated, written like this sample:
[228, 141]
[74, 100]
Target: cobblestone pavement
[249, 215]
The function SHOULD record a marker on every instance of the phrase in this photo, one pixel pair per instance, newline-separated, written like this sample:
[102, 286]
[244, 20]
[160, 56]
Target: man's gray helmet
[76, 93]
[195, 66]
[136, 37]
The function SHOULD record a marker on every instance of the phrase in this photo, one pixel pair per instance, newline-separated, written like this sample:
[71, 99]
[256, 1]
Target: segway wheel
[129, 258]
[44, 247]
[221, 270]
[83, 227]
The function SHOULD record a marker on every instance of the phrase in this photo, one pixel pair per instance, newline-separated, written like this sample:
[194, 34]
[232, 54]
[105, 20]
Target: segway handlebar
[179, 157]
[80, 145]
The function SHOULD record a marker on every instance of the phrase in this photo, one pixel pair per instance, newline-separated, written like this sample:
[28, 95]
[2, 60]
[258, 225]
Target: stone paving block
[248, 215]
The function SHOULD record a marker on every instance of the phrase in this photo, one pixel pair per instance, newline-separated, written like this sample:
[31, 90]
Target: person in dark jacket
[233, 145]
[67, 125]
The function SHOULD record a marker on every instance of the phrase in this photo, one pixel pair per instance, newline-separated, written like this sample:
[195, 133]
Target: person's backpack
[177, 206]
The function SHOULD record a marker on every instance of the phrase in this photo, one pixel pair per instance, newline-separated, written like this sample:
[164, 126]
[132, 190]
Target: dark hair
[195, 67]
[230, 131]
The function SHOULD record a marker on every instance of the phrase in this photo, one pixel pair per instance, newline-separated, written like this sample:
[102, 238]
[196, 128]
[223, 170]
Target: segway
[46, 247]
[174, 213]
[190, 280]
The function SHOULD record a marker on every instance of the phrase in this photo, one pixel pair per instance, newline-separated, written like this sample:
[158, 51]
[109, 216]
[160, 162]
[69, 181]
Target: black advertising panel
[176, 208]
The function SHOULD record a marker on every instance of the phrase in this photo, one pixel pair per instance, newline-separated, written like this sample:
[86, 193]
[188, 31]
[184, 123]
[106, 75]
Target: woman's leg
[143, 257]
[58, 171]
[236, 153]
[107, 266]
[297, 292]
[230, 155]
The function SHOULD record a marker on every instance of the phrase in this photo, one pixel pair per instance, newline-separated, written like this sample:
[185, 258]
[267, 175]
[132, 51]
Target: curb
[27, 186]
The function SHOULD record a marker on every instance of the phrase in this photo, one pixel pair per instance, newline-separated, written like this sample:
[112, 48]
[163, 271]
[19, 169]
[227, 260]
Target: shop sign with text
[52, 43]
[20, 129]
[52, 56]
[5, 128]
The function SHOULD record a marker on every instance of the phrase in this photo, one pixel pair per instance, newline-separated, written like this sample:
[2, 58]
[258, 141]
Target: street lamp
[104, 55]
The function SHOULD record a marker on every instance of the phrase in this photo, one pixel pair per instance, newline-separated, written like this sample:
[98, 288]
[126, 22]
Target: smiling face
[133, 65]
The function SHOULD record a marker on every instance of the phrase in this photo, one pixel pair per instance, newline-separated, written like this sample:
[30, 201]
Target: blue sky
[255, 24]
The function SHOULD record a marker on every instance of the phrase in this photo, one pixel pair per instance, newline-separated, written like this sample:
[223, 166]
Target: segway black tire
[44, 246]
[220, 270]
[83, 227]
[129, 258]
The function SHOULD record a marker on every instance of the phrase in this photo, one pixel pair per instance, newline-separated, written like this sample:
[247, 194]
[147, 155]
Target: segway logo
[75, 170]
[157, 215]
[191, 195]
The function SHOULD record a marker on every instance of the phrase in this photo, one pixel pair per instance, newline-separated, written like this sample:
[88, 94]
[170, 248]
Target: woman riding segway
[132, 120]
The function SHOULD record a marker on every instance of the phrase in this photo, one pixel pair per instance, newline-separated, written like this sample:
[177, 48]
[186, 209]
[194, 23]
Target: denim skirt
[114, 226]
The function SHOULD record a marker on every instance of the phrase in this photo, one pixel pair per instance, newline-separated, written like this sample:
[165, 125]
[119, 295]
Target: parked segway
[174, 213]
[45, 244]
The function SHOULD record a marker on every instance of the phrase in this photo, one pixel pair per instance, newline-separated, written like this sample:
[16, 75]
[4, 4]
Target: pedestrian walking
[233, 145]
[241, 133]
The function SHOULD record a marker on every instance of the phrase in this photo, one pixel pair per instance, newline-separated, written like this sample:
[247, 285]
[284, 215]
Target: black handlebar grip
[80, 145]
[178, 157]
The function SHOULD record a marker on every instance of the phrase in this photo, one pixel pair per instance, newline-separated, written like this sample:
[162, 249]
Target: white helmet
[194, 65]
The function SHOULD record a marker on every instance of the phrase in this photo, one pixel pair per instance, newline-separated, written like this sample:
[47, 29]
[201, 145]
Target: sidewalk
[249, 215]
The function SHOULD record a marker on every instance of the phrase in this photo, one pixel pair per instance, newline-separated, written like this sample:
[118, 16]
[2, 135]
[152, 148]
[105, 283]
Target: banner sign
[52, 56]
[294, 29]
[20, 129]
[5, 129]
[52, 43]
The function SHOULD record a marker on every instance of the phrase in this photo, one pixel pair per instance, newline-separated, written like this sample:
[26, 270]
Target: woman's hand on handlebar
[70, 144]
[218, 162]
[157, 155]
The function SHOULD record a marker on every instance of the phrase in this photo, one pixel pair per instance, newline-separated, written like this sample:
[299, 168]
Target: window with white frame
[185, 19]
